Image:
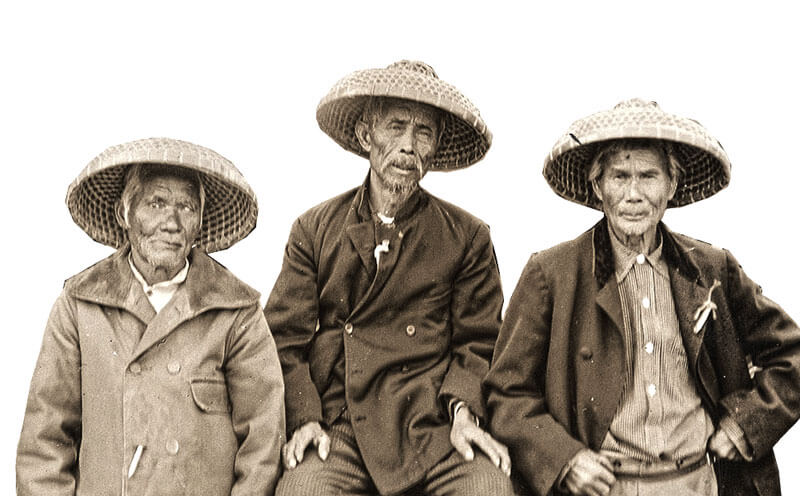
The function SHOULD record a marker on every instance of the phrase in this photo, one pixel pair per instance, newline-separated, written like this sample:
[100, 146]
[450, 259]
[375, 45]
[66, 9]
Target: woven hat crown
[705, 165]
[229, 214]
[465, 138]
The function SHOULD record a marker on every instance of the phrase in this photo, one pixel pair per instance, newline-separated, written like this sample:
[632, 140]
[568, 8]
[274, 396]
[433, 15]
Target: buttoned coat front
[197, 385]
[413, 331]
[558, 371]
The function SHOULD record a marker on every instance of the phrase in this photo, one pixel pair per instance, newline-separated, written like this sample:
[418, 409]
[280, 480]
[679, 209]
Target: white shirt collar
[160, 293]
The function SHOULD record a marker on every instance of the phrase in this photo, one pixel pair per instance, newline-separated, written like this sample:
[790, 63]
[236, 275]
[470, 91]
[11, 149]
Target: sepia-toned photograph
[427, 248]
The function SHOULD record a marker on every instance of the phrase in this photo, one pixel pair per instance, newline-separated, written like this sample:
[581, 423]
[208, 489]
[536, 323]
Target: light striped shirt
[660, 415]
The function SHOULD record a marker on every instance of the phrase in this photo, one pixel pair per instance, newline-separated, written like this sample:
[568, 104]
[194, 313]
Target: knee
[486, 479]
[301, 481]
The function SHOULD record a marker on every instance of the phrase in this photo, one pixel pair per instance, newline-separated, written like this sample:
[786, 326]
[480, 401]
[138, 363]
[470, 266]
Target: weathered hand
[722, 446]
[590, 474]
[309, 433]
[465, 433]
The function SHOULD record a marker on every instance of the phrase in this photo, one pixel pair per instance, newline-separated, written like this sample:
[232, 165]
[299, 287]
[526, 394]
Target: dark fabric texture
[391, 342]
[559, 366]
[197, 385]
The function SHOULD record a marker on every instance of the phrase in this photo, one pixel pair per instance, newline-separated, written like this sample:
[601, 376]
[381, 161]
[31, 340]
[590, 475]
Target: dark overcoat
[413, 332]
[197, 385]
[558, 371]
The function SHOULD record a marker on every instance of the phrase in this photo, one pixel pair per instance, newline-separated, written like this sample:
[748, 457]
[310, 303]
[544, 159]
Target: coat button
[136, 368]
[173, 368]
[348, 328]
[404, 368]
[411, 330]
[585, 353]
[173, 447]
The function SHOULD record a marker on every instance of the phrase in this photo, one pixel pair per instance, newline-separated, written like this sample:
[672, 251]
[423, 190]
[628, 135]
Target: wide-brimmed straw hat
[230, 209]
[465, 139]
[706, 168]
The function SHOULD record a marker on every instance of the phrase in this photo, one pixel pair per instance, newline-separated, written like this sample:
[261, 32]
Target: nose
[633, 193]
[171, 221]
[407, 141]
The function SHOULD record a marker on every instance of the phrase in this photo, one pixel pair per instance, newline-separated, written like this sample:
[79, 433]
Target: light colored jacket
[197, 385]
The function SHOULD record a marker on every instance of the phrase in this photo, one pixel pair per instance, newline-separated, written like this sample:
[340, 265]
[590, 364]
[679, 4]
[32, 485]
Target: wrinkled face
[401, 143]
[635, 188]
[164, 220]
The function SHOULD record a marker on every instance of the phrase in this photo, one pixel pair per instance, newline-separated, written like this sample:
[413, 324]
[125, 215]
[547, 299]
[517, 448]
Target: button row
[410, 329]
[173, 368]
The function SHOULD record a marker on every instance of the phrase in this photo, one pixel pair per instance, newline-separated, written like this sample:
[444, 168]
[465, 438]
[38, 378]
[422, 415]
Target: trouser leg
[455, 476]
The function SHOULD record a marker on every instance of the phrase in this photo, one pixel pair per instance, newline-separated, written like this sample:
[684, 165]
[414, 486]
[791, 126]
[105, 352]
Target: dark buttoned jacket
[557, 374]
[404, 336]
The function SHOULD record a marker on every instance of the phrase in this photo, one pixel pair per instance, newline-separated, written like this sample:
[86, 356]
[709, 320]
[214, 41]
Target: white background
[244, 79]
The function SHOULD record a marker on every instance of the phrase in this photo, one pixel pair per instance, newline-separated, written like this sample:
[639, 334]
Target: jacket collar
[675, 254]
[208, 285]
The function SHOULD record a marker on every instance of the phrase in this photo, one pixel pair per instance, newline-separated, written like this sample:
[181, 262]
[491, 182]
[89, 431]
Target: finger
[288, 455]
[505, 459]
[323, 442]
[604, 462]
[600, 488]
[301, 443]
[486, 444]
[462, 446]
[606, 477]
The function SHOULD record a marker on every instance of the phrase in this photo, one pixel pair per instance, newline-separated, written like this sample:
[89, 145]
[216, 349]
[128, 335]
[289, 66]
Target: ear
[596, 190]
[673, 188]
[363, 136]
[120, 216]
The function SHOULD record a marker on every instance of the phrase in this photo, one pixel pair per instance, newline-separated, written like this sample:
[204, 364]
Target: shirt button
[646, 302]
[411, 330]
[173, 447]
[348, 328]
[651, 390]
[585, 353]
[173, 368]
[648, 347]
[640, 258]
[136, 368]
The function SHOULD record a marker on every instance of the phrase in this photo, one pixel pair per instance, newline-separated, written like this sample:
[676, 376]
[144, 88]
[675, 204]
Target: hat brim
[464, 141]
[230, 211]
[706, 168]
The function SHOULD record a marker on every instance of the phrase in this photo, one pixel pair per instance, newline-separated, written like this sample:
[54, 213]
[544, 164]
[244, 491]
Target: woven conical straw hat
[230, 210]
[706, 168]
[465, 139]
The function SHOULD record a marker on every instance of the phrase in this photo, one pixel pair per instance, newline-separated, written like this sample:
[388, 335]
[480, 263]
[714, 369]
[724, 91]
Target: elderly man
[388, 305]
[632, 357]
[157, 373]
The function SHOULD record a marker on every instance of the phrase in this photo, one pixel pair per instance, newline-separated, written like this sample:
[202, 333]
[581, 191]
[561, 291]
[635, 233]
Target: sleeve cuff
[454, 405]
[737, 437]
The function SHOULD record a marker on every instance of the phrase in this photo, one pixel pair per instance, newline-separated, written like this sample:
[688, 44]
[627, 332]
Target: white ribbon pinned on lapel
[708, 307]
[381, 248]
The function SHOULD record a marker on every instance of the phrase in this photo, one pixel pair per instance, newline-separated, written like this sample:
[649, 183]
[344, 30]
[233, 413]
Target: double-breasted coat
[197, 386]
[409, 333]
[558, 370]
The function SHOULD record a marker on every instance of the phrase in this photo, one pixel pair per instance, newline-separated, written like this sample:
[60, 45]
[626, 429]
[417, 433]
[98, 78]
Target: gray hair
[136, 175]
[664, 148]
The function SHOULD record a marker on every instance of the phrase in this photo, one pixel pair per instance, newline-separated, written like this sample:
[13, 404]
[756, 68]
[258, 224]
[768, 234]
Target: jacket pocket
[210, 395]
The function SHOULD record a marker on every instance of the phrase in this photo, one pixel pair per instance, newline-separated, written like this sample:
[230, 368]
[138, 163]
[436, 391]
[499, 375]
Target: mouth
[633, 217]
[167, 245]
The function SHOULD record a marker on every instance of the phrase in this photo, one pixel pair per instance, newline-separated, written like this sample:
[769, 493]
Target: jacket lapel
[363, 241]
[603, 269]
[688, 297]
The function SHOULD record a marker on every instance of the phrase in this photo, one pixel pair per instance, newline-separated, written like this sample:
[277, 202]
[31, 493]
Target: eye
[157, 204]
[186, 208]
[426, 134]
